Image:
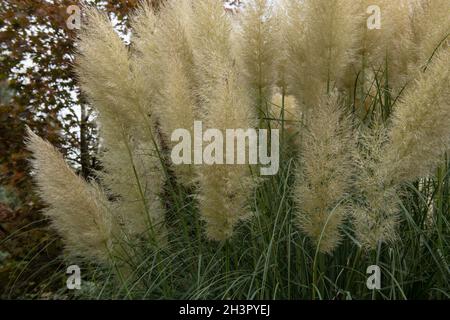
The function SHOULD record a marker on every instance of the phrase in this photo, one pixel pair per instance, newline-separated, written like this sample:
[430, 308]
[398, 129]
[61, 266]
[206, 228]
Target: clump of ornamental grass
[364, 121]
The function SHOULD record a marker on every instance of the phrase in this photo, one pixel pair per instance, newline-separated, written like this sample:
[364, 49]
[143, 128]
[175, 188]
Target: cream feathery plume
[420, 131]
[281, 25]
[223, 197]
[431, 28]
[322, 47]
[375, 209]
[225, 102]
[176, 107]
[132, 167]
[385, 53]
[106, 74]
[211, 36]
[256, 51]
[145, 60]
[412, 146]
[395, 51]
[324, 176]
[223, 189]
[78, 210]
[291, 25]
[360, 71]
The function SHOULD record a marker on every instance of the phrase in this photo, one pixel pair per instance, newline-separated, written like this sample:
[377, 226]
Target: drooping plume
[146, 54]
[79, 211]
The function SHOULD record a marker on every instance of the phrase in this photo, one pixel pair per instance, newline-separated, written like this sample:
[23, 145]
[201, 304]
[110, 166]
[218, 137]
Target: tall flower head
[257, 50]
[410, 148]
[176, 105]
[376, 207]
[78, 210]
[420, 131]
[324, 176]
[225, 104]
[130, 148]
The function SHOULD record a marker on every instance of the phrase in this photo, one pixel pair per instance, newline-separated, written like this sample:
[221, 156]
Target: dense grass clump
[364, 178]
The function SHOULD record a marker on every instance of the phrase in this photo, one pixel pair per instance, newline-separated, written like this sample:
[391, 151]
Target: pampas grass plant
[364, 177]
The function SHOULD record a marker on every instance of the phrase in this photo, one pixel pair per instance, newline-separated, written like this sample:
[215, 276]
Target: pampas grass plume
[257, 50]
[322, 39]
[130, 149]
[324, 176]
[223, 189]
[78, 210]
[375, 210]
[420, 131]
